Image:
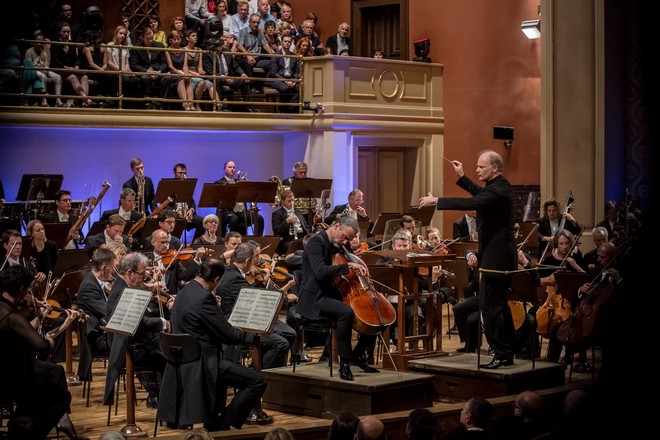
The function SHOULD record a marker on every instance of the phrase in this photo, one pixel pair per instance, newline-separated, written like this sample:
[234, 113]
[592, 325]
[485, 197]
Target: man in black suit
[151, 61]
[126, 208]
[288, 222]
[188, 208]
[131, 272]
[166, 223]
[92, 300]
[143, 186]
[285, 68]
[497, 247]
[465, 227]
[226, 66]
[206, 380]
[353, 208]
[238, 219]
[319, 297]
[275, 345]
[62, 215]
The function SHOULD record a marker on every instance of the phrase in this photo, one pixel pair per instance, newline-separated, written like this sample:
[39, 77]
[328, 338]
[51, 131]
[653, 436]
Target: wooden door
[381, 24]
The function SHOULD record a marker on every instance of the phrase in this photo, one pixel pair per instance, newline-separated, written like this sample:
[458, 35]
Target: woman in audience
[304, 47]
[39, 55]
[159, 35]
[195, 69]
[67, 57]
[273, 39]
[117, 60]
[93, 58]
[178, 64]
[179, 25]
[222, 14]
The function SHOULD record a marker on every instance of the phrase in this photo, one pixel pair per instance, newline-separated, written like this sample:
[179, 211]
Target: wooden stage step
[311, 391]
[457, 376]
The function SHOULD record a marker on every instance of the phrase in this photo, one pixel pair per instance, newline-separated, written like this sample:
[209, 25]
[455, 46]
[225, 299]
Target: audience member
[378, 53]
[118, 60]
[370, 428]
[252, 41]
[197, 434]
[241, 19]
[196, 15]
[307, 30]
[39, 55]
[286, 16]
[529, 406]
[179, 25]
[152, 62]
[476, 415]
[285, 69]
[66, 16]
[177, 64]
[340, 43]
[451, 430]
[67, 57]
[279, 433]
[263, 9]
[421, 425]
[304, 47]
[159, 35]
[344, 426]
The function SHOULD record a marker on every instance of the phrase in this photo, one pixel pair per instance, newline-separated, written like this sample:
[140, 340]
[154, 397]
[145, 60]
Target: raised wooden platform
[311, 391]
[457, 376]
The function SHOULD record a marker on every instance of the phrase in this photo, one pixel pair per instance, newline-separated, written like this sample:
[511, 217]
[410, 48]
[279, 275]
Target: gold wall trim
[383, 83]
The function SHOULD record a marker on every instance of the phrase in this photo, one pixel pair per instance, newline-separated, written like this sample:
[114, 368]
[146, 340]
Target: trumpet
[419, 241]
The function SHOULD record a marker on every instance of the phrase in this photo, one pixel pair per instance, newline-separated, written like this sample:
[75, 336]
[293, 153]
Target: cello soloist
[319, 297]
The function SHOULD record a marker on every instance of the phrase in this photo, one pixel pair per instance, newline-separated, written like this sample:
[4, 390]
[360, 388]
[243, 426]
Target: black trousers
[250, 385]
[498, 322]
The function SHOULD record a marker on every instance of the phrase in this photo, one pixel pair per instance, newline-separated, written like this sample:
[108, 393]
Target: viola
[373, 312]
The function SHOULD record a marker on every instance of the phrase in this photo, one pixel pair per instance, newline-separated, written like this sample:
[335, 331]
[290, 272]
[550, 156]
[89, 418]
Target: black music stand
[181, 190]
[39, 186]
[424, 215]
[569, 283]
[267, 243]
[255, 192]
[378, 229]
[71, 260]
[523, 289]
[218, 195]
[309, 188]
[68, 286]
[58, 232]
[295, 245]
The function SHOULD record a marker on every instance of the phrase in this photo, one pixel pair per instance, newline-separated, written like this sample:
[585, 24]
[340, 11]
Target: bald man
[370, 428]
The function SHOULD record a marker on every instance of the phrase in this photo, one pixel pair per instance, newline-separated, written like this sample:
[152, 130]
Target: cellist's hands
[359, 268]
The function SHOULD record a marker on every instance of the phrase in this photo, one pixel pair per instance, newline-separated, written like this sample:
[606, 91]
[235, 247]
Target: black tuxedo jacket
[141, 59]
[461, 230]
[232, 65]
[277, 67]
[494, 206]
[281, 227]
[338, 210]
[52, 217]
[91, 300]
[317, 275]
[230, 286]
[178, 272]
[331, 42]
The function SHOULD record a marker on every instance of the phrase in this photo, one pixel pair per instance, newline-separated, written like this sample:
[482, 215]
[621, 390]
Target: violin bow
[522, 243]
[446, 243]
[570, 251]
[379, 244]
[8, 253]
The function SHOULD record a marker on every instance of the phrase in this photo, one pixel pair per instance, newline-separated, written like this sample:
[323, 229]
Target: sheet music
[256, 310]
[128, 313]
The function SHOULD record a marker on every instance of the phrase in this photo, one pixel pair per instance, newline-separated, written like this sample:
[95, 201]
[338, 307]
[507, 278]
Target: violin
[373, 312]
[184, 254]
[55, 308]
[258, 272]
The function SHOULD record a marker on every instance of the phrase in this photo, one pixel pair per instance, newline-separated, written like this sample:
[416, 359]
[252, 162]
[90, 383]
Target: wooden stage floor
[91, 421]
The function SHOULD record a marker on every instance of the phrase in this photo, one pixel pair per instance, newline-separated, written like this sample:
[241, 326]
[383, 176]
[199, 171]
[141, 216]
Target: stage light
[532, 29]
[422, 48]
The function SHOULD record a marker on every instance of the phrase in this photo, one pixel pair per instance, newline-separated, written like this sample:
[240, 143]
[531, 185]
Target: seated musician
[166, 223]
[206, 381]
[599, 235]
[559, 258]
[13, 244]
[402, 240]
[43, 252]
[465, 227]
[62, 215]
[237, 219]
[299, 172]
[408, 223]
[92, 299]
[288, 222]
[172, 273]
[126, 208]
[210, 224]
[232, 239]
[131, 272]
[37, 387]
[550, 222]
[434, 241]
[275, 346]
[353, 208]
[114, 229]
[318, 296]
[188, 209]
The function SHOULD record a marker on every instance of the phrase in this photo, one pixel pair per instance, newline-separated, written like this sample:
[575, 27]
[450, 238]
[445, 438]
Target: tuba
[278, 193]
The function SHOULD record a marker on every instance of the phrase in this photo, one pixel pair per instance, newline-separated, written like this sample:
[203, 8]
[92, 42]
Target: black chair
[178, 349]
[321, 325]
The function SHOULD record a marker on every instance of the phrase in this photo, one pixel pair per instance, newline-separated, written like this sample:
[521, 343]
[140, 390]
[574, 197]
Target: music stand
[69, 260]
[424, 215]
[96, 228]
[379, 225]
[267, 243]
[569, 283]
[68, 286]
[460, 248]
[295, 245]
[39, 186]
[310, 188]
[218, 195]
[58, 232]
[181, 190]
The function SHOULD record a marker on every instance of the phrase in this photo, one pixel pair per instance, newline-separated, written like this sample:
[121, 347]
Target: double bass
[373, 312]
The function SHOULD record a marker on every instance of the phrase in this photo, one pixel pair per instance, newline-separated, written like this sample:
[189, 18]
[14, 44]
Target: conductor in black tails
[497, 247]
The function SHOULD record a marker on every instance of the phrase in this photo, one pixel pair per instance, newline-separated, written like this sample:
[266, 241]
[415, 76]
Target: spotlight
[422, 48]
[532, 29]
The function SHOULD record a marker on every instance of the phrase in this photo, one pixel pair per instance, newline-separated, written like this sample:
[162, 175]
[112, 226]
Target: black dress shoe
[497, 363]
[361, 362]
[152, 402]
[345, 371]
[305, 358]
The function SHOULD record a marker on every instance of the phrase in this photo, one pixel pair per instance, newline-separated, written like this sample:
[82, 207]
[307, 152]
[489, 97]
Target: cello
[373, 312]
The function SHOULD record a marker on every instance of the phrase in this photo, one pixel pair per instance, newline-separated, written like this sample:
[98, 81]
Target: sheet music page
[256, 310]
[128, 313]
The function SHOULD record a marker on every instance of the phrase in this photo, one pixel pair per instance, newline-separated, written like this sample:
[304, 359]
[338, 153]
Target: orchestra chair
[178, 349]
[321, 325]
